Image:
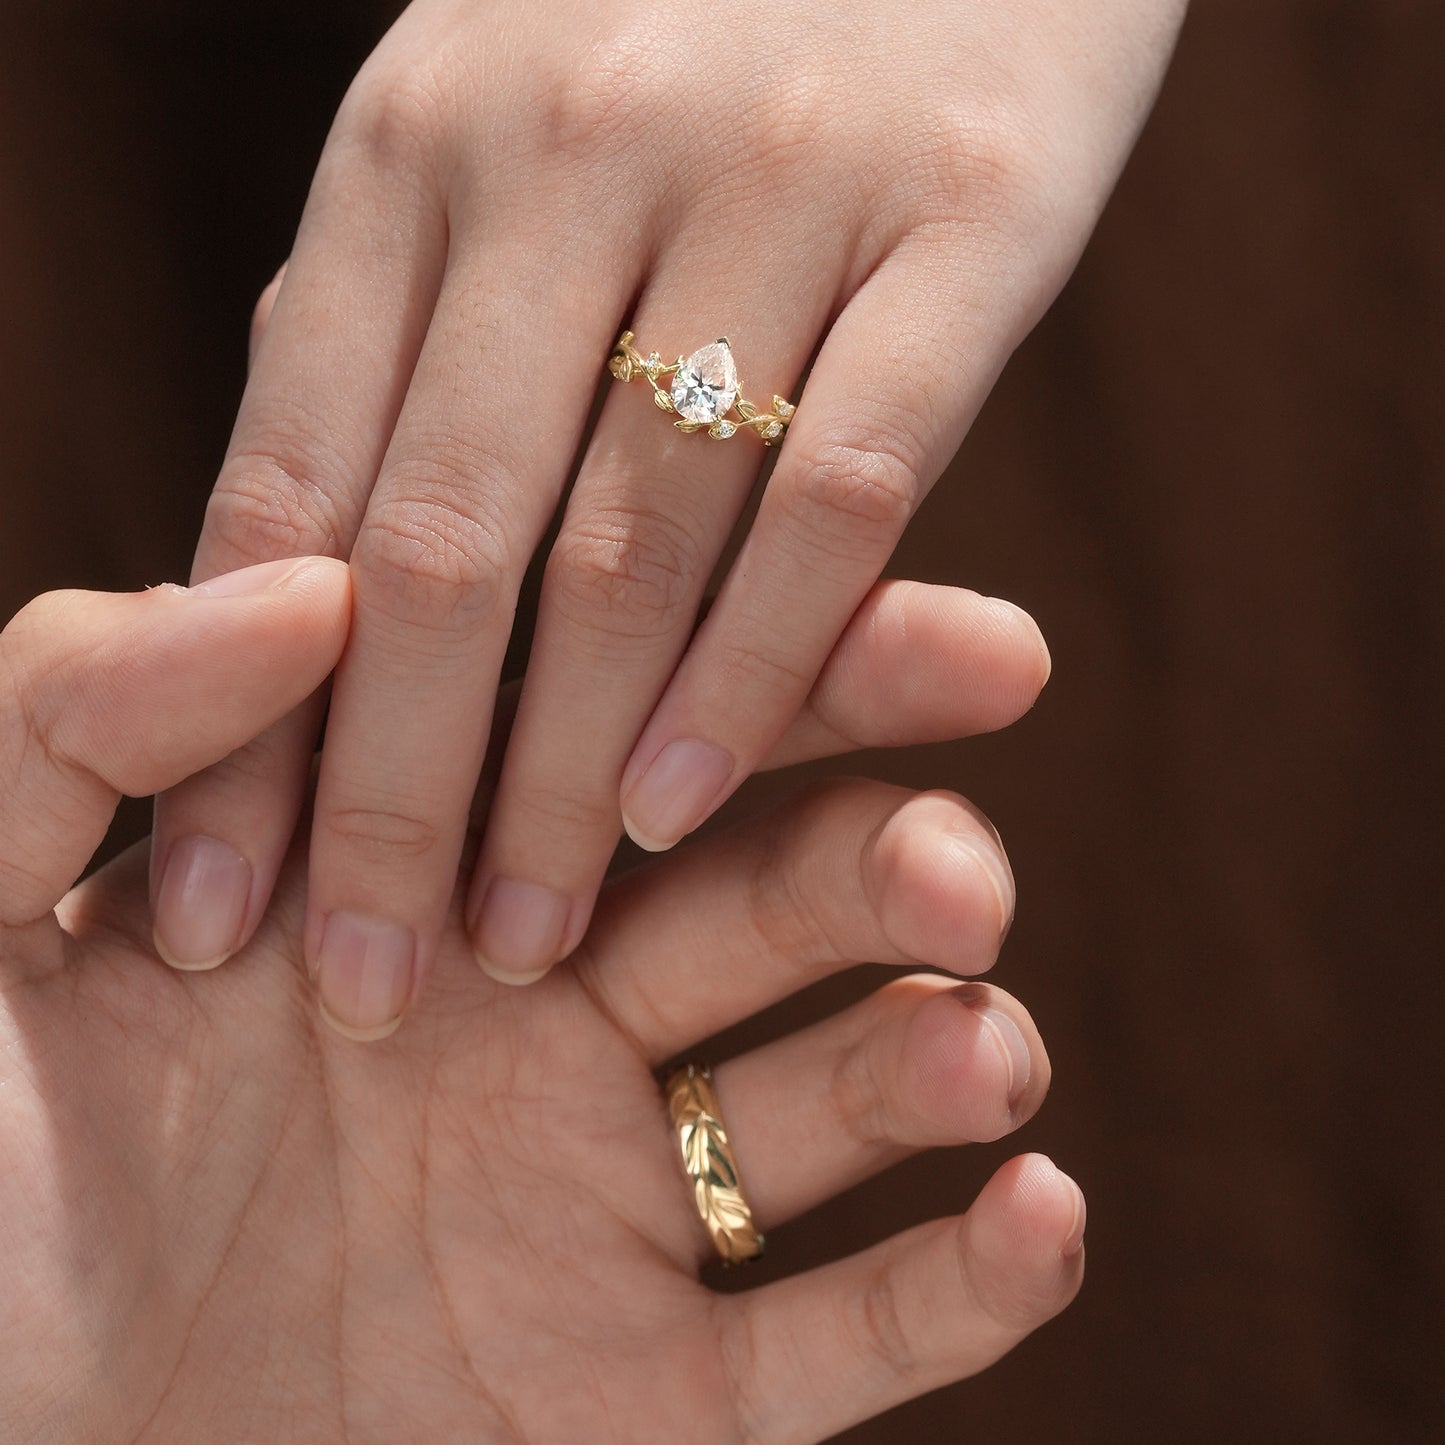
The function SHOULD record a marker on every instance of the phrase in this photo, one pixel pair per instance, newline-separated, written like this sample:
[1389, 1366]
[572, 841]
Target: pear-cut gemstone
[706, 384]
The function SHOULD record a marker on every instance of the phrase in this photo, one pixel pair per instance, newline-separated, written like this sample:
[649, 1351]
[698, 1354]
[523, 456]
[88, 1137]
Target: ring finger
[648, 518]
[923, 1062]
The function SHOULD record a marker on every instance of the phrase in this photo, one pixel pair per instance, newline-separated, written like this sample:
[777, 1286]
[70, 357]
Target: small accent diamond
[722, 430]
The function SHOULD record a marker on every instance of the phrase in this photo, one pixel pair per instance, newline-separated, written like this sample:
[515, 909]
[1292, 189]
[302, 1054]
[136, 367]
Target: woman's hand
[901, 190]
[223, 1222]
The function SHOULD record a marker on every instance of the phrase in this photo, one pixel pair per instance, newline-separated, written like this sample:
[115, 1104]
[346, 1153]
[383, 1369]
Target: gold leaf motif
[746, 409]
[782, 408]
[697, 1147]
[689, 426]
[708, 1161]
[733, 1215]
[663, 400]
[721, 430]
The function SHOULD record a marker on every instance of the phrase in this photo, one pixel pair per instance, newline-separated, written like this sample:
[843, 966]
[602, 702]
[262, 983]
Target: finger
[105, 695]
[261, 316]
[850, 872]
[919, 664]
[469, 483]
[921, 1063]
[816, 1353]
[329, 371]
[647, 520]
[868, 442]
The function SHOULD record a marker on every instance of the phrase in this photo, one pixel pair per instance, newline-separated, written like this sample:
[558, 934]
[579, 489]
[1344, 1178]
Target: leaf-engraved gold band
[708, 1159]
[704, 393]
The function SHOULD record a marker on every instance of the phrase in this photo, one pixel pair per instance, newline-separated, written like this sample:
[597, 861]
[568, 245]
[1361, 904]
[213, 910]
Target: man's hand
[221, 1222]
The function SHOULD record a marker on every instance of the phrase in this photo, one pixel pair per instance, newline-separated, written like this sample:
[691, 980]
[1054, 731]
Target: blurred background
[1215, 476]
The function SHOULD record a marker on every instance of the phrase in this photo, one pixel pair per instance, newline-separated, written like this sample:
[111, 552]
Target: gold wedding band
[703, 390]
[707, 1157]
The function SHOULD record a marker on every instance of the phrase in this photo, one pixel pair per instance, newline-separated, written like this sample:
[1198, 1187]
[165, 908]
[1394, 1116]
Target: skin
[223, 1221]
[505, 187]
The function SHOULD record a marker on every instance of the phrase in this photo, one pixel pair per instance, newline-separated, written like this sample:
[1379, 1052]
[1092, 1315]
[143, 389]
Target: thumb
[102, 695]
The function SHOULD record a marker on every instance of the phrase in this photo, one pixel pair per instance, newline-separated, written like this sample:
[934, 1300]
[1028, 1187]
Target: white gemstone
[706, 384]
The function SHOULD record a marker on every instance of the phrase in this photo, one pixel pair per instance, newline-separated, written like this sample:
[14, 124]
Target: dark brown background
[1214, 474]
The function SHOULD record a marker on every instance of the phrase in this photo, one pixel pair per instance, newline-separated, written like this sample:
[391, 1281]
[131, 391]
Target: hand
[223, 1223]
[505, 186]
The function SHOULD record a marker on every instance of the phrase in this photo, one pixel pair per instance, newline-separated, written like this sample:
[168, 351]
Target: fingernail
[993, 867]
[676, 793]
[1011, 1044]
[249, 580]
[1074, 1239]
[201, 903]
[364, 974]
[519, 930]
[1008, 1038]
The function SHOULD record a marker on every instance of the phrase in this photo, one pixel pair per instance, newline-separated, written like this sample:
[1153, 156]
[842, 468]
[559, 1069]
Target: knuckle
[383, 833]
[856, 486]
[392, 117]
[787, 910]
[780, 908]
[31, 728]
[798, 120]
[882, 1335]
[266, 504]
[985, 171]
[866, 1088]
[570, 812]
[428, 566]
[624, 570]
[34, 630]
[857, 1101]
[752, 668]
[626, 84]
[37, 693]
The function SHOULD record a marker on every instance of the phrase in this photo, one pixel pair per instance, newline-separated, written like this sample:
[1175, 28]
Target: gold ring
[708, 1159]
[704, 389]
